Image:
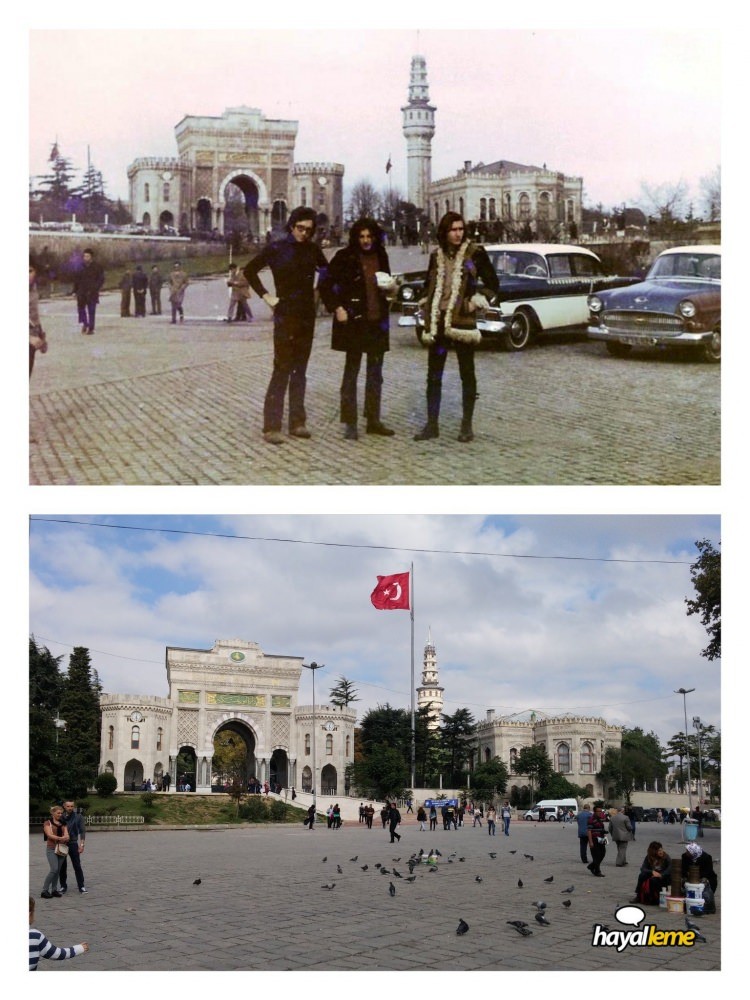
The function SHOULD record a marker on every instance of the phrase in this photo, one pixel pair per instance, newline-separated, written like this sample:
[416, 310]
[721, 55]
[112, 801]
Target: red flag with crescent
[391, 593]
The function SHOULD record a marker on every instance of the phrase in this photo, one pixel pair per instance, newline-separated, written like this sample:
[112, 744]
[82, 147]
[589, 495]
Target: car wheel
[712, 350]
[618, 350]
[521, 332]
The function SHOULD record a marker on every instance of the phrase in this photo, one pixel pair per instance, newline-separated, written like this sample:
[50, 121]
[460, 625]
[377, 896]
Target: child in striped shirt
[41, 947]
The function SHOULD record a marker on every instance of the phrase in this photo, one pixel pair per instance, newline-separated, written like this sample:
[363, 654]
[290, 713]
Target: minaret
[429, 693]
[419, 128]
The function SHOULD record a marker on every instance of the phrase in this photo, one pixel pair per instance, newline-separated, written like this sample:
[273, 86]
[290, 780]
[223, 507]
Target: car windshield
[508, 262]
[687, 265]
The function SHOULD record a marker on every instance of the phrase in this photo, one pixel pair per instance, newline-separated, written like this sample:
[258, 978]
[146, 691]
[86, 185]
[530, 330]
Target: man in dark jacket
[140, 287]
[87, 284]
[394, 818]
[357, 286]
[294, 262]
[77, 832]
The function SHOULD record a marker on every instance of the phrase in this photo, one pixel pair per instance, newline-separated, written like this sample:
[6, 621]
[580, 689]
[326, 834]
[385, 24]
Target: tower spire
[418, 129]
[429, 693]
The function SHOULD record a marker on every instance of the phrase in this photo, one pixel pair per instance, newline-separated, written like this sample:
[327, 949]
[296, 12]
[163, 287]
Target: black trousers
[292, 344]
[75, 860]
[373, 386]
[436, 363]
[597, 856]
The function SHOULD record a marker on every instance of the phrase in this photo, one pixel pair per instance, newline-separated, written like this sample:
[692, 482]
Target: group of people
[656, 874]
[366, 814]
[356, 287]
[137, 283]
[64, 839]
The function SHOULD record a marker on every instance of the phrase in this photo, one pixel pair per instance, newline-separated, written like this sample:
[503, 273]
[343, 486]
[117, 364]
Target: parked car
[544, 288]
[677, 304]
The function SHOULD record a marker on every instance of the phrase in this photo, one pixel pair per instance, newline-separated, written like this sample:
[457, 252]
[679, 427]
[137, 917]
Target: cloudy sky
[602, 630]
[612, 103]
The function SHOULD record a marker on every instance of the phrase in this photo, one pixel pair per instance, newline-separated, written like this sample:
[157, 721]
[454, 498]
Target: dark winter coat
[345, 286]
[87, 283]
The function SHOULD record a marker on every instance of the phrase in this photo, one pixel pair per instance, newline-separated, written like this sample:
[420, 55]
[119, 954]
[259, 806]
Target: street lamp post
[697, 724]
[685, 692]
[313, 667]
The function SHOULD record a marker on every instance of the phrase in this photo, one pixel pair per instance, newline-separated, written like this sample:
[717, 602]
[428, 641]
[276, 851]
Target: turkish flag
[391, 593]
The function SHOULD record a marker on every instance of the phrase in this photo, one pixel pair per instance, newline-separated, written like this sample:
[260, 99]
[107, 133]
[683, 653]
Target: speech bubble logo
[632, 915]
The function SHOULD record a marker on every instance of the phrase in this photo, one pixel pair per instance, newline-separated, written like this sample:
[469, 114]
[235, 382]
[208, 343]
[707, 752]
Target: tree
[665, 205]
[710, 186]
[105, 783]
[91, 191]
[80, 740]
[490, 776]
[229, 761]
[638, 763]
[557, 786]
[343, 693]
[364, 201]
[456, 736]
[45, 688]
[383, 773]
[705, 575]
[54, 189]
[534, 762]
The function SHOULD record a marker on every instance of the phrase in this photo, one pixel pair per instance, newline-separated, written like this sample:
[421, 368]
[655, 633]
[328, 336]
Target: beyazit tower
[419, 128]
[429, 693]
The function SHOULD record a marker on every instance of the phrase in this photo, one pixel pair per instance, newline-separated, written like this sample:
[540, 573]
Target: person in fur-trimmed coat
[450, 307]
[357, 286]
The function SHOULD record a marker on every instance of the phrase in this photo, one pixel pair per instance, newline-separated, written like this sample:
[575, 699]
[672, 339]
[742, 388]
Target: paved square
[260, 904]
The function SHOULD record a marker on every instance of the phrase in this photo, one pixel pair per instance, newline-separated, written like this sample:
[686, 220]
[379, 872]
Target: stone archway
[241, 206]
[234, 757]
[328, 780]
[203, 215]
[132, 778]
[279, 768]
[186, 768]
[307, 778]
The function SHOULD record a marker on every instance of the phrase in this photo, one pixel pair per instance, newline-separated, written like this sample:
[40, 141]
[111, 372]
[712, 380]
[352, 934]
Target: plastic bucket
[694, 890]
[675, 904]
[694, 906]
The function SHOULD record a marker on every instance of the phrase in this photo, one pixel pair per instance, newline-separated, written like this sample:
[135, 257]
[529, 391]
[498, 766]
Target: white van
[550, 807]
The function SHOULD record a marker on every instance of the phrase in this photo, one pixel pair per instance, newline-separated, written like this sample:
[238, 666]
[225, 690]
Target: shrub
[148, 799]
[105, 783]
[278, 811]
[254, 810]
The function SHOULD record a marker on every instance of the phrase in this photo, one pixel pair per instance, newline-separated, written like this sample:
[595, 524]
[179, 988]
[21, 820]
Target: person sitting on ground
[695, 855]
[655, 875]
[41, 947]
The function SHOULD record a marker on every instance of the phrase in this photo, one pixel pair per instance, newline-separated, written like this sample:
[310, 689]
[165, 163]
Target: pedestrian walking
[583, 833]
[87, 283]
[394, 818]
[491, 820]
[178, 282]
[37, 336]
[622, 833]
[421, 818]
[56, 848]
[452, 300]
[505, 815]
[597, 840]
[294, 263]
[433, 817]
[239, 296]
[74, 822]
[126, 290]
[155, 283]
[140, 287]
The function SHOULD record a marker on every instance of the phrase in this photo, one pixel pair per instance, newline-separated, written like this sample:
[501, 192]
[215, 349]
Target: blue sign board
[439, 803]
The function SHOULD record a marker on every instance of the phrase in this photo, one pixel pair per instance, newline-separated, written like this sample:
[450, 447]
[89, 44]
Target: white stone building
[418, 128]
[429, 693]
[233, 687]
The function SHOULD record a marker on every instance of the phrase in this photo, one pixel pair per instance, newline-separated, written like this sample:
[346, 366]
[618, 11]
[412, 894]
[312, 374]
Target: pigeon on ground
[364, 867]
[328, 885]
[550, 879]
[512, 852]
[339, 869]
[517, 923]
[541, 919]
[197, 881]
[462, 859]
[569, 889]
[540, 905]
[462, 927]
[525, 931]
[355, 858]
[478, 878]
[392, 888]
[397, 874]
[520, 884]
[696, 930]
[492, 854]
[529, 856]
[378, 864]
[395, 859]
[436, 852]
[567, 902]
[433, 869]
[412, 878]
[604, 927]
[384, 871]
[323, 860]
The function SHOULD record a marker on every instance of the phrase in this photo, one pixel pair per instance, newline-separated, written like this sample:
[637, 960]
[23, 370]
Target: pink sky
[615, 105]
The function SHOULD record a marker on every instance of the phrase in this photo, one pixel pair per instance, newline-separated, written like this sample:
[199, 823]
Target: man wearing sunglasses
[294, 262]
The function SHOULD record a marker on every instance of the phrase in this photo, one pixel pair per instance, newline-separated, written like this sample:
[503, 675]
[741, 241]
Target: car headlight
[595, 303]
[407, 294]
[687, 309]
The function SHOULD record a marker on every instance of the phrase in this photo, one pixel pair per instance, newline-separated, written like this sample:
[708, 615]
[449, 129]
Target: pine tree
[45, 688]
[80, 741]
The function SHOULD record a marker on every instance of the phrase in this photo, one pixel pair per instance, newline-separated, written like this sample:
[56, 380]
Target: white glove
[270, 300]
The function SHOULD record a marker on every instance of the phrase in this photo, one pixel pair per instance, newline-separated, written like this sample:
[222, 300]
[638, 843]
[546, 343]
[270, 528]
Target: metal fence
[96, 820]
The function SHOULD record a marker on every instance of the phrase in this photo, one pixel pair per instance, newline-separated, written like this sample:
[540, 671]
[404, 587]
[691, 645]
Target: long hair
[444, 227]
[653, 851]
[359, 226]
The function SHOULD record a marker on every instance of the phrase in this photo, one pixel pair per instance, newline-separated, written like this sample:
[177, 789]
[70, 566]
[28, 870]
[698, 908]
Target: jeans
[54, 861]
[491, 827]
[75, 860]
[506, 825]
[86, 313]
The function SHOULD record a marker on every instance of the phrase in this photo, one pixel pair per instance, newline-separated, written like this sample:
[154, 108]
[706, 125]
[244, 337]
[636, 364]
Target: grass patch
[186, 810]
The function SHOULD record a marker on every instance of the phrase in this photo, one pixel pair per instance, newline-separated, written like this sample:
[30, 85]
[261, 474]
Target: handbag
[61, 850]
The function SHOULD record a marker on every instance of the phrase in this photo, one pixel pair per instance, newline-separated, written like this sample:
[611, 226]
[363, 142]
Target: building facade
[576, 745]
[234, 688]
[232, 172]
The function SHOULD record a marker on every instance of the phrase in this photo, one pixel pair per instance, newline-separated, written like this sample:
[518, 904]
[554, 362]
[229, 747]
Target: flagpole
[413, 730]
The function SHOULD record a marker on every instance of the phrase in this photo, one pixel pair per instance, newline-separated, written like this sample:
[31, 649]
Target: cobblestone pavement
[145, 402]
[260, 904]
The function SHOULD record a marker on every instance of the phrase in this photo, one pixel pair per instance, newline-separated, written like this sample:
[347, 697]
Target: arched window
[543, 207]
[506, 206]
[493, 210]
[587, 758]
[524, 206]
[486, 754]
[329, 745]
[447, 205]
[348, 746]
[165, 192]
[482, 209]
[147, 192]
[513, 756]
[159, 733]
[135, 738]
[563, 758]
[303, 196]
[307, 744]
[571, 210]
[111, 740]
[460, 206]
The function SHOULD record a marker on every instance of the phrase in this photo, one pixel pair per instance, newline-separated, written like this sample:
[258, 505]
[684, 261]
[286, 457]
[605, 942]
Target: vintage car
[543, 289]
[677, 304]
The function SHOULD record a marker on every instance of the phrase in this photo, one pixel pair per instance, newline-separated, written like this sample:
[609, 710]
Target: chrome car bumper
[647, 336]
